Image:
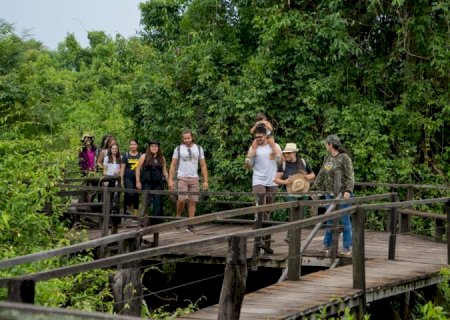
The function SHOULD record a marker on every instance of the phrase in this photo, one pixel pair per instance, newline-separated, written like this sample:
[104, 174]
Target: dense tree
[376, 73]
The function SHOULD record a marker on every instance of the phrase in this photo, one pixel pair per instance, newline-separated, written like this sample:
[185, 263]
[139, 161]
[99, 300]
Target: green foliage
[367, 72]
[161, 313]
[429, 311]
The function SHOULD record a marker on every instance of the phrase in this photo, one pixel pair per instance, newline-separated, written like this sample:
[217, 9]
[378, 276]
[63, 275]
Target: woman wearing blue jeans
[337, 159]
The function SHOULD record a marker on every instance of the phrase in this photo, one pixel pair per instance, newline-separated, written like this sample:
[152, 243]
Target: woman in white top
[111, 162]
[111, 168]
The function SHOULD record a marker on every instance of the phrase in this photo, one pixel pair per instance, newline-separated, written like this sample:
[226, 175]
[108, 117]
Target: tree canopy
[375, 72]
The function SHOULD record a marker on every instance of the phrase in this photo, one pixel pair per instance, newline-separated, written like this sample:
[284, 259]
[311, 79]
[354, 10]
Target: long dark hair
[110, 155]
[340, 148]
[149, 155]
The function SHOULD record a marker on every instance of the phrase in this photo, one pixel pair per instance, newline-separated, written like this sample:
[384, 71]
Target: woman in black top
[151, 173]
[128, 176]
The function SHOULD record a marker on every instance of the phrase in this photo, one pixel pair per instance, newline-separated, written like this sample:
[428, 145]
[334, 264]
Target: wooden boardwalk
[330, 289]
[417, 264]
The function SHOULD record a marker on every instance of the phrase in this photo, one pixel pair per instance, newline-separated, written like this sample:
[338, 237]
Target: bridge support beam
[126, 283]
[235, 279]
[21, 291]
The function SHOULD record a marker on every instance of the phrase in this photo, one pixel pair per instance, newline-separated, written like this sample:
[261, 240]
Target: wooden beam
[294, 254]
[358, 250]
[235, 279]
[393, 218]
[21, 290]
[447, 213]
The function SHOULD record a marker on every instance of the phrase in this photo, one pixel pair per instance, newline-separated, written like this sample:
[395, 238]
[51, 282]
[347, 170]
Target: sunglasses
[259, 137]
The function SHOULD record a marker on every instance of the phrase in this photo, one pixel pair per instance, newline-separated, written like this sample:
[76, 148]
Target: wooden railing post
[106, 208]
[359, 270]
[106, 211]
[405, 219]
[447, 212]
[235, 279]
[438, 229]
[393, 218]
[126, 282]
[21, 291]
[359, 262]
[294, 255]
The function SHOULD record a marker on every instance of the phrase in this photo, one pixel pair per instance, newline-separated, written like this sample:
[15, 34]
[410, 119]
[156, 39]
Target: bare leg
[180, 207]
[192, 205]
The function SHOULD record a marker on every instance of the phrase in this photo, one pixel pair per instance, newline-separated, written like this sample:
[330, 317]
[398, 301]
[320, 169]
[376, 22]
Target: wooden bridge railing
[19, 286]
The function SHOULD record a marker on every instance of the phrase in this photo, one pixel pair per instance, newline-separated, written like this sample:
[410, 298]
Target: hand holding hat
[299, 183]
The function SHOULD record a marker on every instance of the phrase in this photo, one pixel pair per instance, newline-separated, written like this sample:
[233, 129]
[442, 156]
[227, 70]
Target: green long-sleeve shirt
[325, 178]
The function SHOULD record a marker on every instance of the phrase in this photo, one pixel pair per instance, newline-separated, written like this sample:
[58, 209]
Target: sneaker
[325, 248]
[346, 252]
[190, 229]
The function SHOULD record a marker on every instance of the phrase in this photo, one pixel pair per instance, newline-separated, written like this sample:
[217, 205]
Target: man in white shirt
[264, 162]
[183, 173]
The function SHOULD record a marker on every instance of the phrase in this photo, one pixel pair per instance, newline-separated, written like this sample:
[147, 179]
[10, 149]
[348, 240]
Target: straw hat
[290, 147]
[299, 183]
[86, 135]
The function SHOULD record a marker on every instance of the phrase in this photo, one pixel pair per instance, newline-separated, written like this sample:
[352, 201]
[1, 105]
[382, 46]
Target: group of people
[148, 171]
[272, 167]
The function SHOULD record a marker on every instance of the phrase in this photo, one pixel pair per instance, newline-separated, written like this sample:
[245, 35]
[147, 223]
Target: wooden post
[393, 218]
[105, 216]
[126, 283]
[359, 270]
[235, 278]
[21, 291]
[294, 255]
[335, 231]
[106, 211]
[405, 219]
[438, 229]
[144, 206]
[359, 262]
[447, 212]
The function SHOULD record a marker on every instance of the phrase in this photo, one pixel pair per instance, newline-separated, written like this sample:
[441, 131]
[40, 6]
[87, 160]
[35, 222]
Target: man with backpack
[293, 166]
[183, 173]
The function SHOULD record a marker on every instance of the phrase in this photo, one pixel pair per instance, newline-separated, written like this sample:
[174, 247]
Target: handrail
[180, 223]
[151, 252]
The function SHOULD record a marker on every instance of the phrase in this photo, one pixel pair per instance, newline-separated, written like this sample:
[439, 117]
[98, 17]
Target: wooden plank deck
[409, 247]
[330, 289]
[418, 262]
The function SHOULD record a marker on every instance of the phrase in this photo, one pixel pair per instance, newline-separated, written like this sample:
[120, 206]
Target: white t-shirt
[264, 169]
[112, 169]
[188, 162]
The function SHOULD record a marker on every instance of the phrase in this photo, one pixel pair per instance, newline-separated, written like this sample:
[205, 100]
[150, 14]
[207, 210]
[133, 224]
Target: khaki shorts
[186, 184]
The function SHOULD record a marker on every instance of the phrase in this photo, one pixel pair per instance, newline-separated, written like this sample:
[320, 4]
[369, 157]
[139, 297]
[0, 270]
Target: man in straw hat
[295, 173]
[264, 162]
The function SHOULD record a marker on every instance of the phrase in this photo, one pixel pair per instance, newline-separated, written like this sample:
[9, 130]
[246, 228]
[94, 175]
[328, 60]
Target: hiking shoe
[346, 252]
[325, 248]
[190, 229]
